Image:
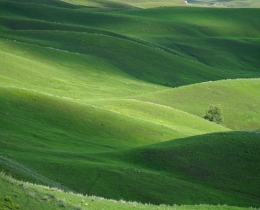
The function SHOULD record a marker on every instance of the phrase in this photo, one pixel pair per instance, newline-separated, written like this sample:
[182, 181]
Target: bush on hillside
[214, 114]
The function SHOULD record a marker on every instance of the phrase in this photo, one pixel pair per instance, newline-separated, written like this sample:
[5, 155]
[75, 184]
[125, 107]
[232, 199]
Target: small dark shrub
[214, 114]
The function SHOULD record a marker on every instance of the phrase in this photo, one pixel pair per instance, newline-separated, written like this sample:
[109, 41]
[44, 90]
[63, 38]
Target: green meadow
[102, 104]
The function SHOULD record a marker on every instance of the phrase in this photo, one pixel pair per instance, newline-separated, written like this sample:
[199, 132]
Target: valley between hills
[103, 104]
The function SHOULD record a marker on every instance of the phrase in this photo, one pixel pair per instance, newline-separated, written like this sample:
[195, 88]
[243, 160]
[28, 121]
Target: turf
[177, 50]
[106, 99]
[199, 159]
[239, 100]
[190, 171]
[19, 195]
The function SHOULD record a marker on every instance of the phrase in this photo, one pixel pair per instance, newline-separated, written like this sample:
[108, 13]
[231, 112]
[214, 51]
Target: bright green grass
[182, 122]
[40, 116]
[25, 195]
[67, 141]
[230, 156]
[69, 75]
[219, 168]
[83, 77]
[139, 61]
[166, 46]
[239, 100]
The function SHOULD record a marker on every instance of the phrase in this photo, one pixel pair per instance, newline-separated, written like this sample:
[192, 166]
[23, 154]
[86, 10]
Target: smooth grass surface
[201, 159]
[177, 47]
[83, 151]
[32, 196]
[138, 61]
[66, 75]
[207, 36]
[83, 77]
[182, 122]
[239, 100]
[195, 170]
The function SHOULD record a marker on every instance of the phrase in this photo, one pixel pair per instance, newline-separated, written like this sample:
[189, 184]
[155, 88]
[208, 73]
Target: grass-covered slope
[225, 161]
[219, 168]
[165, 46]
[239, 100]
[84, 88]
[20, 195]
[225, 39]
[64, 74]
[41, 124]
[183, 123]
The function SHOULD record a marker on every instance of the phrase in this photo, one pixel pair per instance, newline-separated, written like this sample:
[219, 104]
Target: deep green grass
[207, 36]
[219, 168]
[179, 49]
[199, 159]
[19, 195]
[87, 92]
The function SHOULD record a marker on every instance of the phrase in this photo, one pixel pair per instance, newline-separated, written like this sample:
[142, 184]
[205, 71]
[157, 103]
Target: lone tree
[214, 114]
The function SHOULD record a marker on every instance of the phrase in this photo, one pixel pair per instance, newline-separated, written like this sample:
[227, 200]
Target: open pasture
[107, 99]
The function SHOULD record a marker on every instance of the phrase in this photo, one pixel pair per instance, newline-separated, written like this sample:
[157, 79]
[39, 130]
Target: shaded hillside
[165, 46]
[88, 102]
[220, 168]
[21, 195]
[224, 161]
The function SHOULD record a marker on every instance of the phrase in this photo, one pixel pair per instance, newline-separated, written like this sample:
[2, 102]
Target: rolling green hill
[226, 161]
[220, 168]
[163, 46]
[104, 98]
[20, 195]
[239, 100]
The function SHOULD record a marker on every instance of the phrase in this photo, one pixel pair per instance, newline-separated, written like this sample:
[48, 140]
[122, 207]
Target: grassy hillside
[182, 122]
[41, 124]
[216, 168]
[105, 99]
[20, 195]
[225, 161]
[217, 38]
[165, 46]
[239, 100]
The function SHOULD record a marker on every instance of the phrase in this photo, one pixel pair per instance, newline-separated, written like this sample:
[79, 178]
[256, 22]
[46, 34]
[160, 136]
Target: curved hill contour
[104, 98]
[239, 100]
